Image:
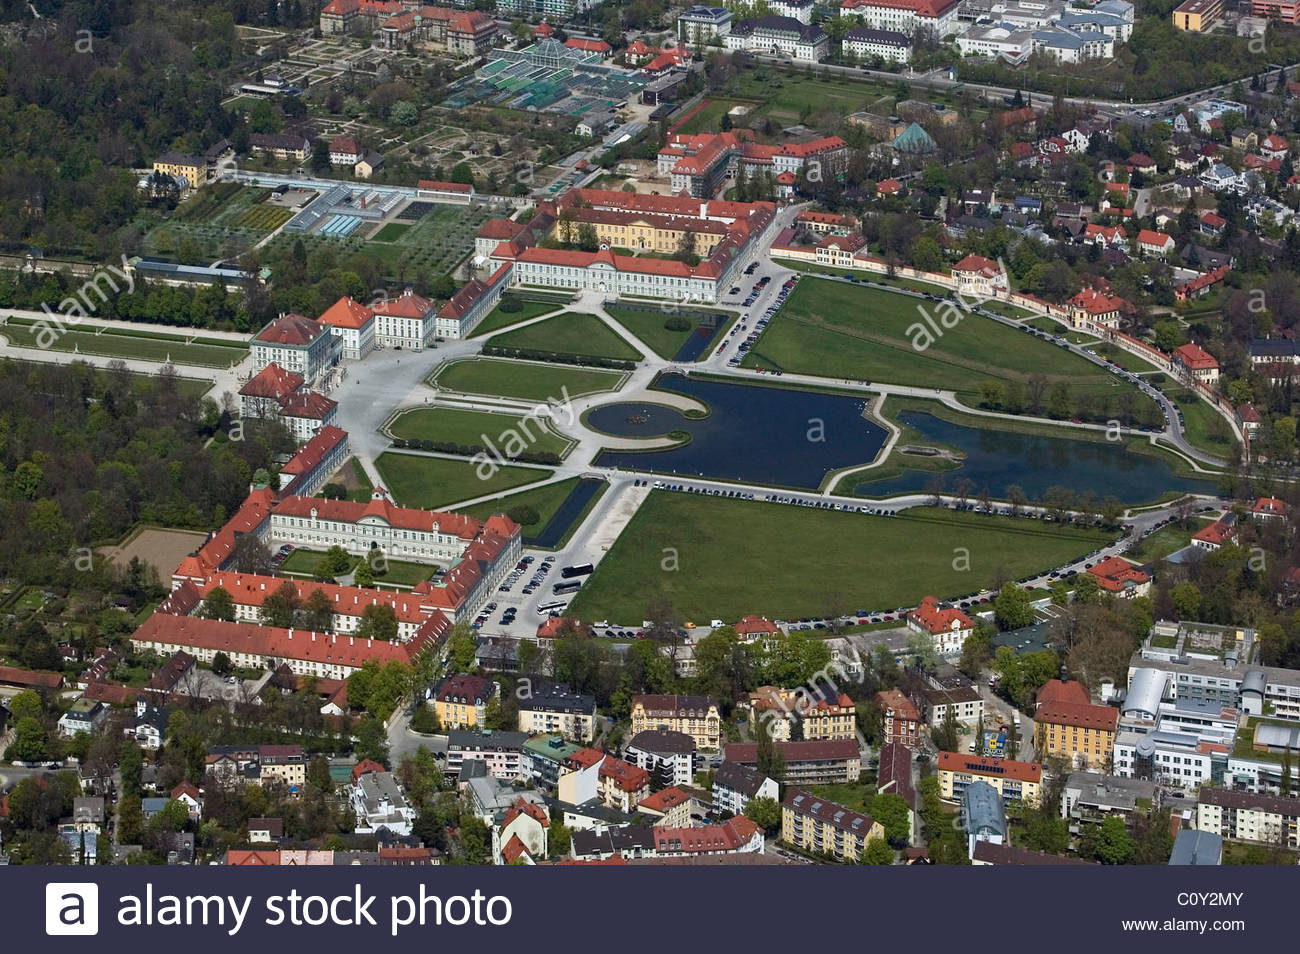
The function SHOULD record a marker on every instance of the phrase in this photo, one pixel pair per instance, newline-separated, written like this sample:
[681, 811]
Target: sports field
[467, 427]
[527, 381]
[837, 330]
[570, 333]
[429, 482]
[713, 557]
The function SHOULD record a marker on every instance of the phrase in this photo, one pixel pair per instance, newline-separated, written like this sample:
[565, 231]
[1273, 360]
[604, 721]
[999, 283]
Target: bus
[569, 587]
[551, 606]
[578, 569]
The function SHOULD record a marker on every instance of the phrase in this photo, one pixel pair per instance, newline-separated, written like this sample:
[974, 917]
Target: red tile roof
[365, 767]
[531, 809]
[1195, 357]
[12, 676]
[729, 836]
[291, 329]
[985, 765]
[347, 313]
[272, 382]
[624, 775]
[978, 264]
[664, 800]
[1153, 239]
[1083, 716]
[192, 632]
[1114, 574]
[311, 405]
[248, 589]
[435, 185]
[936, 620]
[752, 625]
[1054, 690]
[316, 450]
[1217, 533]
[589, 46]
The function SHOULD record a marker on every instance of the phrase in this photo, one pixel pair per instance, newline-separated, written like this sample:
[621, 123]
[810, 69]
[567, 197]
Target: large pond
[754, 434]
[998, 459]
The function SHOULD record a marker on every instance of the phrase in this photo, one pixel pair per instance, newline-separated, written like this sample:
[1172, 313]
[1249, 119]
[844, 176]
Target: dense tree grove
[84, 456]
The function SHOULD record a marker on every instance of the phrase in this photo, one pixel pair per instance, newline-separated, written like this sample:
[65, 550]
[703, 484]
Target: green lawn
[116, 343]
[1204, 426]
[466, 427]
[545, 500]
[712, 557]
[841, 331]
[498, 318]
[911, 284]
[391, 232]
[431, 482]
[570, 333]
[1166, 540]
[852, 795]
[398, 573]
[648, 326]
[523, 380]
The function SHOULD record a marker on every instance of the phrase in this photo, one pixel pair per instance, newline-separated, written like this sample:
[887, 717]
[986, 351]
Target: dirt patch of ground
[161, 549]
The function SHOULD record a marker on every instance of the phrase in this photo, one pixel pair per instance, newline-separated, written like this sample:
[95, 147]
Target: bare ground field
[161, 549]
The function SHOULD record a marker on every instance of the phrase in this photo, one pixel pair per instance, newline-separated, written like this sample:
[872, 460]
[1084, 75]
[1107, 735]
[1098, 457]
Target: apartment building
[461, 700]
[663, 749]
[1014, 780]
[734, 785]
[809, 763]
[901, 720]
[696, 716]
[554, 709]
[1247, 816]
[1081, 732]
[818, 826]
[498, 751]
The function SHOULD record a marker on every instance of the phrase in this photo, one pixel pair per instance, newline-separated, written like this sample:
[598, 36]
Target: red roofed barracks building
[323, 655]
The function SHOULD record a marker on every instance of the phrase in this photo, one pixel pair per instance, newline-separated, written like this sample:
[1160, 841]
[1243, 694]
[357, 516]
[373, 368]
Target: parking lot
[748, 327]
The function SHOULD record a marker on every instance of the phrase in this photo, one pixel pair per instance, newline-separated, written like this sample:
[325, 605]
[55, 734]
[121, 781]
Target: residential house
[1195, 362]
[461, 701]
[521, 835]
[345, 151]
[901, 720]
[948, 626]
[734, 785]
[1117, 576]
[263, 831]
[1151, 243]
[379, 802]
